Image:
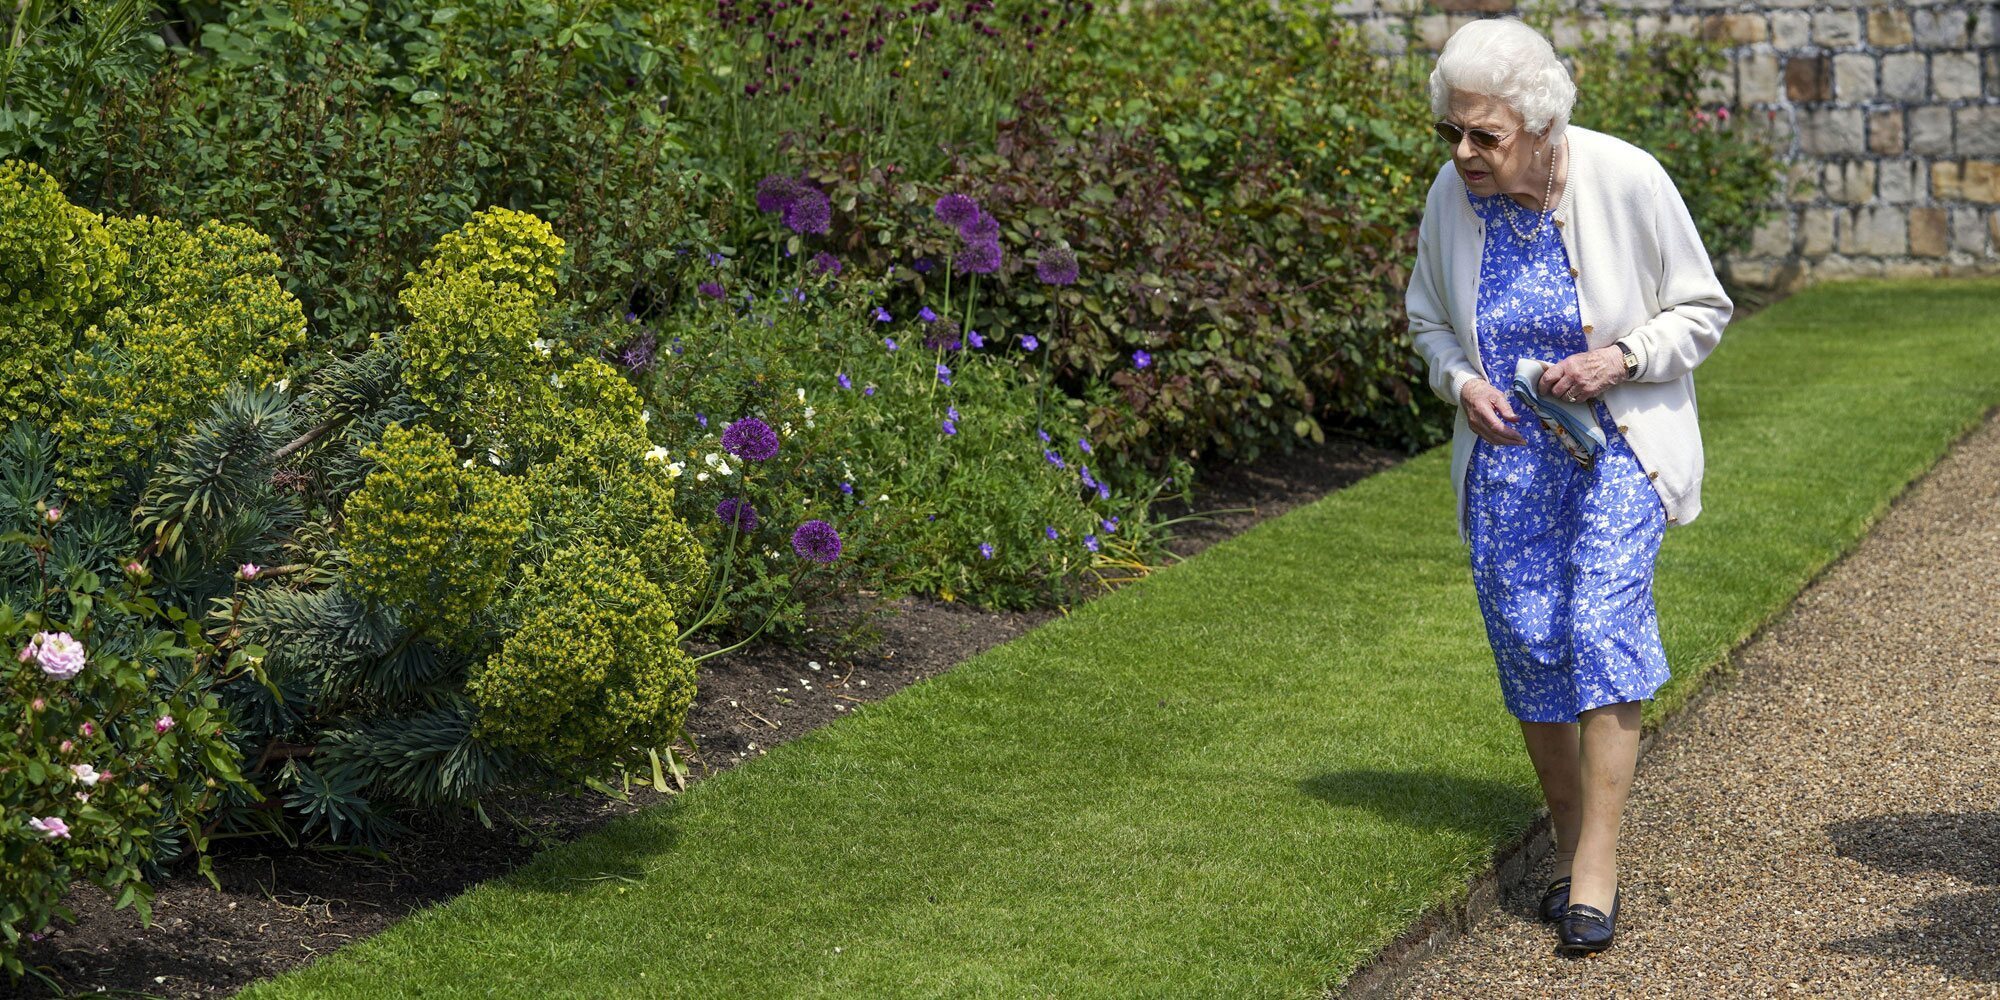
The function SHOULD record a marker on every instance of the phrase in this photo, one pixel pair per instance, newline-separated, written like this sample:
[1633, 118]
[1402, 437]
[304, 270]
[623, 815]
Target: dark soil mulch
[280, 908]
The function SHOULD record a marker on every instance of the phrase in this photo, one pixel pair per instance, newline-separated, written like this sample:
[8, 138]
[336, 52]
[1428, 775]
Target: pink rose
[165, 723]
[85, 773]
[248, 571]
[87, 729]
[51, 827]
[60, 654]
[65, 746]
[53, 515]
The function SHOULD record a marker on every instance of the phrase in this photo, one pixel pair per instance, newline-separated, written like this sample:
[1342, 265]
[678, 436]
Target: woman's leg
[1609, 753]
[1553, 748]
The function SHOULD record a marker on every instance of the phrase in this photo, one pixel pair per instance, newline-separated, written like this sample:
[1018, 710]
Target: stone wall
[1887, 112]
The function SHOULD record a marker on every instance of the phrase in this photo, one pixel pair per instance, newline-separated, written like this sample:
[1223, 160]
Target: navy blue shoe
[1555, 902]
[1586, 930]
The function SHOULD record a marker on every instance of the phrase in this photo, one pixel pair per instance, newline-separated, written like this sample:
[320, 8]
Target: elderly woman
[1553, 242]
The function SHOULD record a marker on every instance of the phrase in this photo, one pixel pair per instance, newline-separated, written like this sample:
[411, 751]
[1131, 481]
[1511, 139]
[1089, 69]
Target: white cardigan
[1642, 276]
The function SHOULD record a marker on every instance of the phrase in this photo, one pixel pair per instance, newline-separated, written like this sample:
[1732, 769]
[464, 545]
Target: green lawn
[1237, 778]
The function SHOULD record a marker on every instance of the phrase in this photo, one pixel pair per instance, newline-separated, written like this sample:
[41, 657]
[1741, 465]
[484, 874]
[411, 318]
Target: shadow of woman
[1953, 932]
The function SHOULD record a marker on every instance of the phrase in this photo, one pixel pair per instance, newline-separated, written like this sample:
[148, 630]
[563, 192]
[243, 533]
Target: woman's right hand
[1490, 413]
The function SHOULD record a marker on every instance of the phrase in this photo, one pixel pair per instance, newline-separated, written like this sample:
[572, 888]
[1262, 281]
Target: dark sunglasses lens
[1448, 132]
[1484, 139]
[1452, 134]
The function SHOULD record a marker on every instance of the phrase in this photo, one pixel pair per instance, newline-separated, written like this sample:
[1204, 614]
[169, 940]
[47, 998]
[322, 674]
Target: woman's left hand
[1584, 376]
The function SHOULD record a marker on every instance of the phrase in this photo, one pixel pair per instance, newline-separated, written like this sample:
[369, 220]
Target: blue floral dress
[1562, 556]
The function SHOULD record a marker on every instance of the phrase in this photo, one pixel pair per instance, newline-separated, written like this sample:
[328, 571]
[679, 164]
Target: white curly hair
[1504, 58]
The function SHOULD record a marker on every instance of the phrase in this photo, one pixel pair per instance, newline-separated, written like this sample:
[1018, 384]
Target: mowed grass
[1238, 778]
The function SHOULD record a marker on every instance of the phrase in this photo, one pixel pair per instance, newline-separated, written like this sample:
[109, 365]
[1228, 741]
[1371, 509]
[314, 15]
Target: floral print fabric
[1562, 556]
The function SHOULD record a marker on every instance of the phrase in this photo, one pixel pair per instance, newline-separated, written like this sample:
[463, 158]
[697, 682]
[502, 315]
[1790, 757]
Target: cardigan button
[1588, 328]
[1671, 519]
[1572, 273]
[1655, 474]
[1623, 429]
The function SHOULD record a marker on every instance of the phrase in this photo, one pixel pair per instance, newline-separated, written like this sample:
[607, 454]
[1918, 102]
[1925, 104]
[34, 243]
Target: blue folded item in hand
[1574, 425]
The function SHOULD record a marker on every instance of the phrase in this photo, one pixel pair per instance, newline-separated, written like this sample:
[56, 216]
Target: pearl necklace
[1541, 218]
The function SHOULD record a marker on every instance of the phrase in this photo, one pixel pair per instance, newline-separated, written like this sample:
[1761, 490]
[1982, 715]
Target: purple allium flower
[826, 263]
[1141, 359]
[1028, 341]
[1044, 435]
[1110, 524]
[737, 511]
[1057, 266]
[712, 289]
[816, 540]
[890, 342]
[750, 438]
[972, 337]
[637, 354]
[810, 212]
[923, 265]
[956, 210]
[980, 228]
[986, 549]
[1051, 531]
[982, 257]
[51, 827]
[847, 488]
[944, 374]
[703, 417]
[1054, 459]
[1090, 542]
[950, 428]
[776, 192]
[59, 654]
[882, 315]
[845, 382]
[927, 315]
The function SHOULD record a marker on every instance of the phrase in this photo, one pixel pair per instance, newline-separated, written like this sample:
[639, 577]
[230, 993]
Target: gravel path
[1827, 821]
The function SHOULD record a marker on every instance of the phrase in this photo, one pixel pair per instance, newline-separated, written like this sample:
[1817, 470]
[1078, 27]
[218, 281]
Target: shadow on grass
[1429, 800]
[1952, 932]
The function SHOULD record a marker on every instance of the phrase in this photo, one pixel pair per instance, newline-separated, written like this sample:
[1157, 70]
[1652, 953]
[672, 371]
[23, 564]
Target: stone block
[1930, 130]
[1904, 270]
[1802, 180]
[1832, 132]
[1930, 232]
[1836, 29]
[1986, 31]
[1977, 130]
[1790, 29]
[1966, 180]
[1567, 34]
[1885, 132]
[1968, 234]
[1874, 231]
[1384, 34]
[1742, 29]
[1905, 77]
[1854, 76]
[1757, 78]
[1955, 75]
[1816, 232]
[1772, 237]
[1899, 182]
[1940, 27]
[1993, 227]
[1852, 182]
[1837, 268]
[1433, 30]
[1888, 28]
[1716, 86]
[1809, 78]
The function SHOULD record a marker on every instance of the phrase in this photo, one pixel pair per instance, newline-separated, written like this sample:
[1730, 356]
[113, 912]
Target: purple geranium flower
[972, 337]
[986, 549]
[845, 382]
[826, 263]
[712, 289]
[1141, 359]
[1110, 524]
[1103, 490]
[882, 315]
[982, 257]
[847, 488]
[1057, 266]
[1084, 444]
[890, 342]
[737, 511]
[716, 259]
[750, 438]
[1054, 459]
[816, 540]
[1051, 531]
[703, 417]
[950, 428]
[951, 411]
[1090, 542]
[1044, 435]
[1084, 470]
[923, 265]
[869, 391]
[1028, 341]
[944, 374]
[956, 210]
[927, 315]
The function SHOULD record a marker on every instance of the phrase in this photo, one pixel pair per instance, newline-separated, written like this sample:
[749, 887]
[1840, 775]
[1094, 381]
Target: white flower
[85, 773]
[544, 347]
[802, 395]
[645, 416]
[493, 457]
[710, 459]
[556, 381]
[284, 384]
[674, 469]
[809, 412]
[722, 468]
[657, 453]
[467, 464]
[702, 476]
[884, 496]
[788, 427]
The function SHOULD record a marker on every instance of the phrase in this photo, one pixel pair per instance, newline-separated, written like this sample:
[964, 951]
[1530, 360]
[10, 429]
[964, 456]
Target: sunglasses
[1452, 135]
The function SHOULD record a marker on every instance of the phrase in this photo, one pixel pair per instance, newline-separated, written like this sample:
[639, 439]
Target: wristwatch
[1631, 360]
